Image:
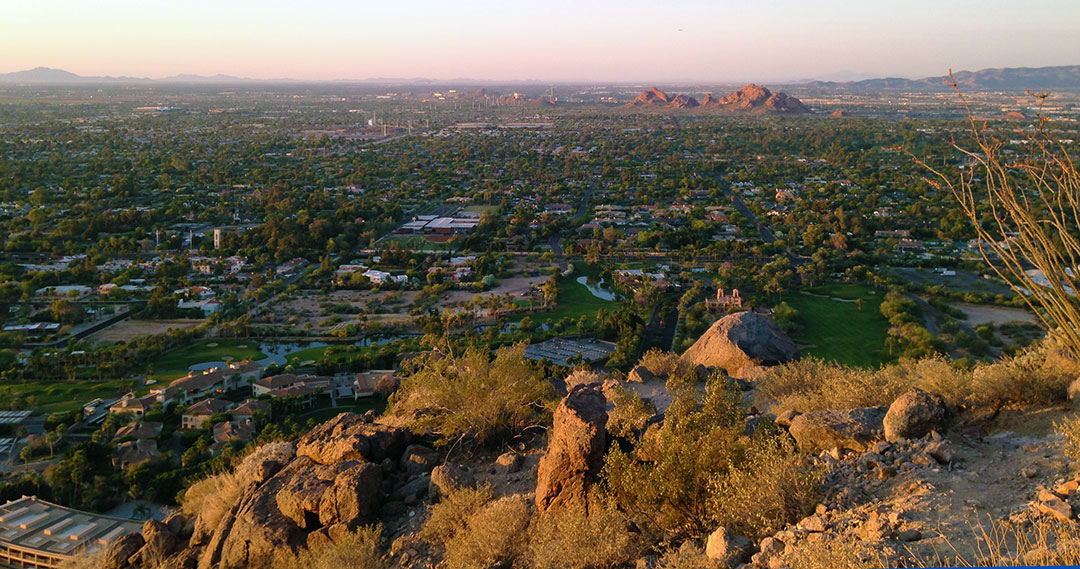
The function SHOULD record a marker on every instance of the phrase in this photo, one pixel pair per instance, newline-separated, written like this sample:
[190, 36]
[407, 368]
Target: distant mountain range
[1006, 79]
[751, 98]
[1066, 77]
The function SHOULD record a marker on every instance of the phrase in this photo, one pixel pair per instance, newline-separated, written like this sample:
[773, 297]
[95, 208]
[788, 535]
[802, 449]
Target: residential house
[133, 453]
[137, 406]
[198, 385]
[139, 430]
[196, 416]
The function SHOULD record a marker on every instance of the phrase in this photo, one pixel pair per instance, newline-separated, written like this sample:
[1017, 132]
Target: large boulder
[447, 478]
[854, 429]
[728, 549]
[272, 520]
[575, 450]
[352, 437]
[117, 554]
[740, 344]
[914, 414]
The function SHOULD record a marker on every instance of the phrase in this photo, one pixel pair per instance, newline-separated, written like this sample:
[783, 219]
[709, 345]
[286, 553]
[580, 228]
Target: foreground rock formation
[332, 481]
[741, 344]
[575, 451]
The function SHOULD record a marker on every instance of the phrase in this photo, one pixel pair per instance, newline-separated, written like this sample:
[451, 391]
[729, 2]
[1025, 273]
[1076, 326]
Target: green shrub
[698, 470]
[474, 398]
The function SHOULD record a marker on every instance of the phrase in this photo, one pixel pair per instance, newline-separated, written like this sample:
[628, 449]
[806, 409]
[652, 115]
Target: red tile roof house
[245, 412]
[196, 386]
[137, 406]
[196, 416]
[139, 430]
[265, 385]
[230, 431]
[133, 453]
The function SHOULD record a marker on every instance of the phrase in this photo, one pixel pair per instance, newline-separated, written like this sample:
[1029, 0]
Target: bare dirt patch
[979, 314]
[126, 330]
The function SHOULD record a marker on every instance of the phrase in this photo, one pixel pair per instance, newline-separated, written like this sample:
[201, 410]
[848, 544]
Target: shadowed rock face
[740, 343]
[575, 452]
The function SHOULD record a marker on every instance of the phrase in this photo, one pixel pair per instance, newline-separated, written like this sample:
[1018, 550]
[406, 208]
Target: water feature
[279, 353]
[597, 290]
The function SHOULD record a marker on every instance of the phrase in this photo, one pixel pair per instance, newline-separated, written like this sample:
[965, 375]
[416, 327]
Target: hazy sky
[551, 40]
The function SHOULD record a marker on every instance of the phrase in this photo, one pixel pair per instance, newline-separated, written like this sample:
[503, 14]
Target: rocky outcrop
[852, 429]
[333, 483]
[914, 414]
[352, 437]
[117, 554]
[740, 343]
[750, 99]
[683, 102]
[575, 450]
[758, 99]
[650, 98]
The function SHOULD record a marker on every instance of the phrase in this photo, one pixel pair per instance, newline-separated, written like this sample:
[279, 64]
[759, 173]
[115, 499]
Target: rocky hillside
[698, 469]
[748, 99]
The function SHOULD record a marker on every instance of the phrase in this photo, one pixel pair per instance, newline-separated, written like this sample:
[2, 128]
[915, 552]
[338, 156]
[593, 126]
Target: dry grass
[212, 497]
[835, 553]
[1070, 433]
[1036, 376]
[1002, 544]
[689, 556]
[492, 536]
[573, 538]
[359, 550]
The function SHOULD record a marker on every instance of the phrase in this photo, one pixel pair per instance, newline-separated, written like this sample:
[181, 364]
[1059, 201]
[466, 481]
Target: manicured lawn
[839, 331]
[59, 396]
[314, 354]
[212, 350]
[574, 302]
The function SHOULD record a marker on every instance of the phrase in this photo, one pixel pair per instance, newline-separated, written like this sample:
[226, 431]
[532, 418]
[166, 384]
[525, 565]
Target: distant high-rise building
[217, 238]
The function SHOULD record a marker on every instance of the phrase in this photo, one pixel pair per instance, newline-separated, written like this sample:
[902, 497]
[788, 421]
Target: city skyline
[558, 41]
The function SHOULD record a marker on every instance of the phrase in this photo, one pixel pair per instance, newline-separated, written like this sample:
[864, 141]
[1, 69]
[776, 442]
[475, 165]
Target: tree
[1026, 213]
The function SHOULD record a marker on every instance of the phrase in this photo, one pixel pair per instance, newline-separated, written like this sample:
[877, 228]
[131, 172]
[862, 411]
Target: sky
[545, 40]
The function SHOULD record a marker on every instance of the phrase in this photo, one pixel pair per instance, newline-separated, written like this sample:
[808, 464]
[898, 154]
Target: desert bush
[813, 384]
[773, 486]
[212, 497]
[672, 483]
[688, 556]
[1070, 437]
[451, 515]
[473, 529]
[358, 550]
[1035, 375]
[578, 538]
[472, 397]
[630, 412]
[834, 553]
[85, 560]
[661, 363]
